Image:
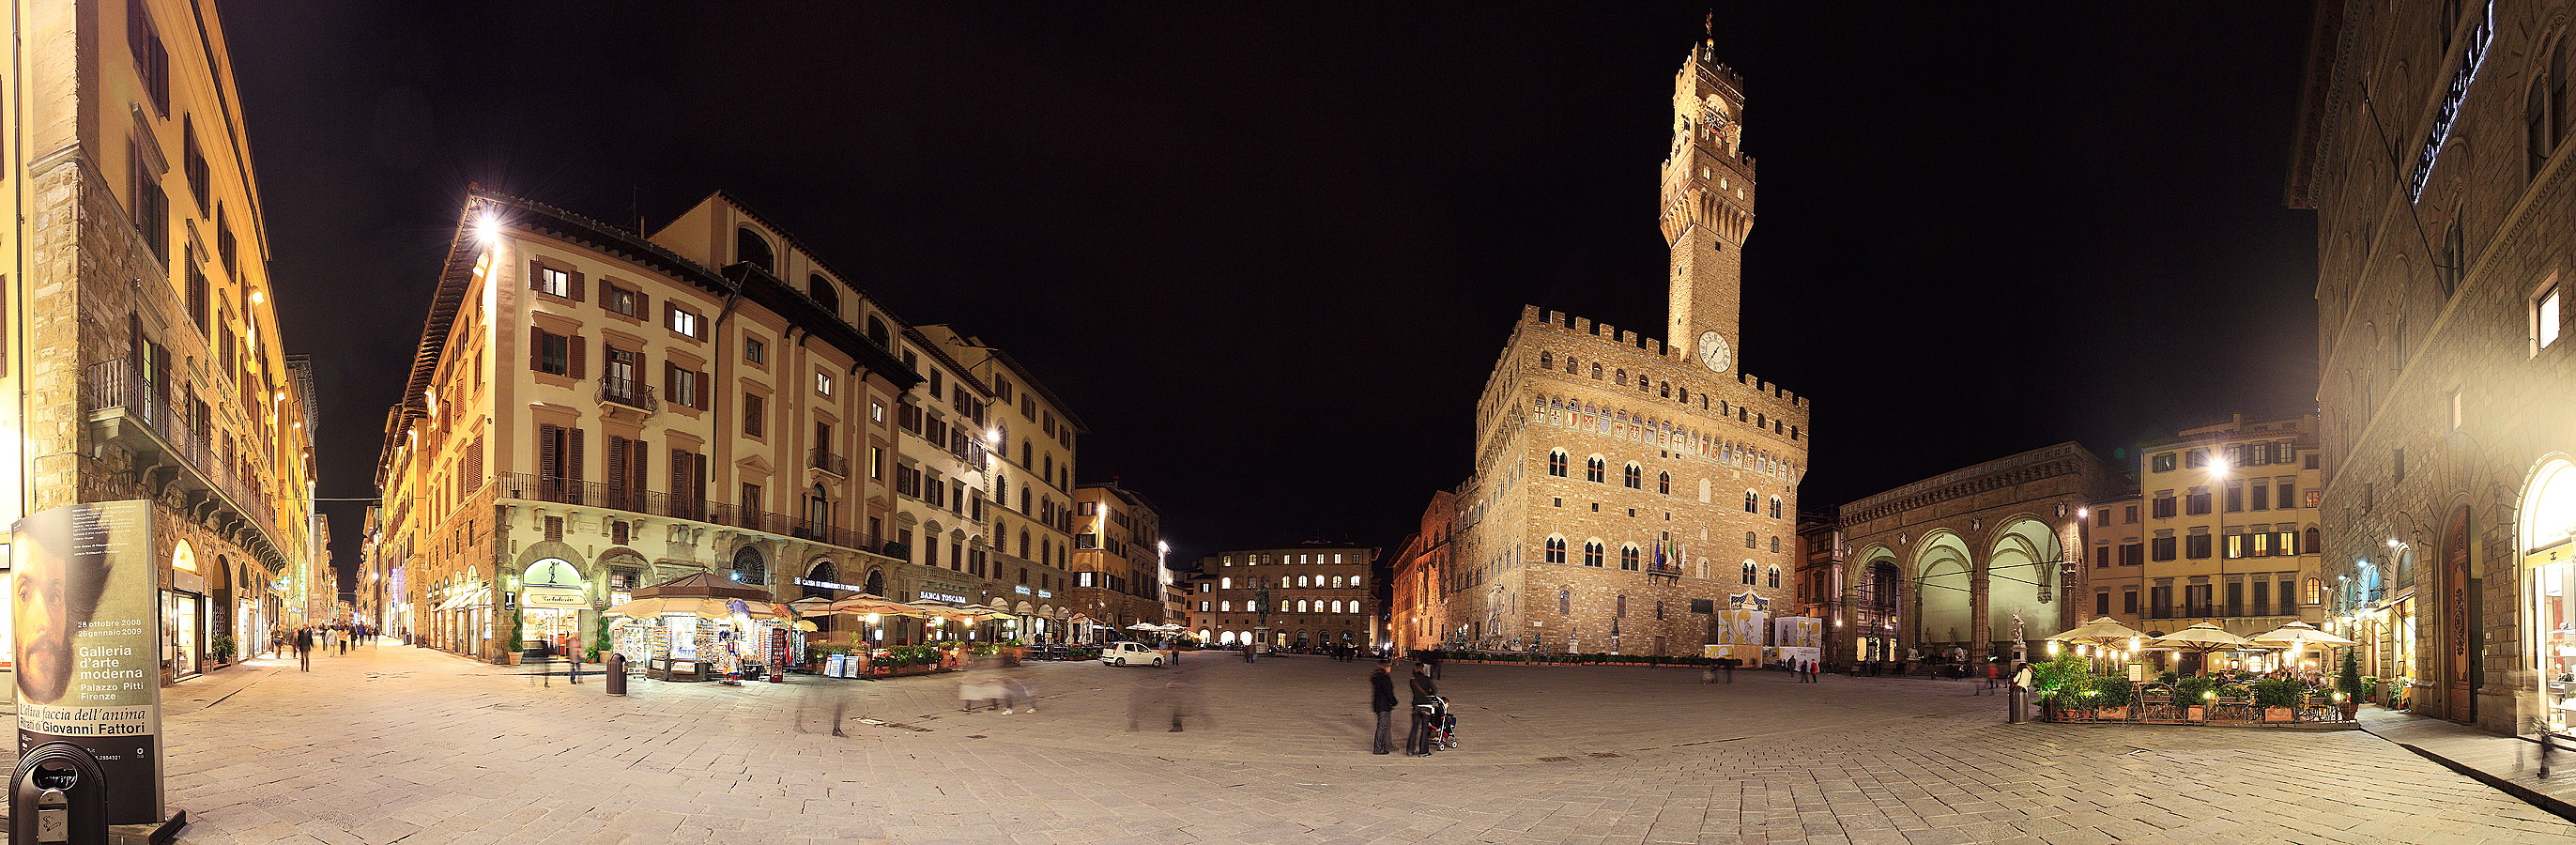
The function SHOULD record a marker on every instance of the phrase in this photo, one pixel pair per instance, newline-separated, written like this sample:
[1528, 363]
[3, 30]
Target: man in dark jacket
[1382, 700]
[1419, 743]
[304, 649]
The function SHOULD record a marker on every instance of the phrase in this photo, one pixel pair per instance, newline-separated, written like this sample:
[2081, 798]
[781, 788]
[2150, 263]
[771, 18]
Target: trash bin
[616, 676]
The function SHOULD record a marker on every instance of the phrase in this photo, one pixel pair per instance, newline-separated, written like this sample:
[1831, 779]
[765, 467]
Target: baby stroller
[1444, 725]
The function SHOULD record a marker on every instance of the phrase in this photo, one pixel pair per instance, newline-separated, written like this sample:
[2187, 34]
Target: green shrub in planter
[2112, 691]
[2194, 690]
[2057, 673]
[2279, 693]
[2167, 677]
[2349, 680]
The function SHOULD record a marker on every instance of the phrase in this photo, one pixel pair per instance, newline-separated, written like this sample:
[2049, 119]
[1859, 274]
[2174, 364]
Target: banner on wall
[88, 656]
[1738, 627]
[1798, 632]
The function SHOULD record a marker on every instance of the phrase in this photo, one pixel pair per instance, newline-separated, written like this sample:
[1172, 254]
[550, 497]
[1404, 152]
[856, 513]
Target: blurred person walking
[1382, 700]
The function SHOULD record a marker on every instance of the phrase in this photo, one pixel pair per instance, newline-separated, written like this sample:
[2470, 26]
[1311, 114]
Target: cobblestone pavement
[403, 745]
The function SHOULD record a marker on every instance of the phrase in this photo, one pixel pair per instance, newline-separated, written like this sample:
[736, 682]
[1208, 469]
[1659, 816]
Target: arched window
[1775, 542]
[751, 248]
[1622, 608]
[1592, 553]
[1773, 576]
[1636, 476]
[1775, 507]
[2316, 591]
[1596, 370]
[877, 332]
[824, 293]
[2452, 265]
[1302, 606]
[1556, 463]
[1564, 600]
[1337, 580]
[822, 571]
[1596, 469]
[1685, 394]
[1665, 390]
[1748, 572]
[1752, 502]
[1556, 550]
[2539, 127]
[1619, 376]
[1304, 581]
[1546, 360]
[876, 582]
[2308, 541]
[1225, 607]
[1751, 541]
[1628, 557]
[1569, 365]
[1664, 483]
[749, 567]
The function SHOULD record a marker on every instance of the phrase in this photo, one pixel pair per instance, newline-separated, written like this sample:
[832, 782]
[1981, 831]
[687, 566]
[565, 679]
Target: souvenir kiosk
[681, 629]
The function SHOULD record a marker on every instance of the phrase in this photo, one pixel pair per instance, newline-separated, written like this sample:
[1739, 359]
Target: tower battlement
[1567, 323]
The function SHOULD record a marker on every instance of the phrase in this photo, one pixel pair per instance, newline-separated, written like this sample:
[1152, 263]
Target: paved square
[403, 745]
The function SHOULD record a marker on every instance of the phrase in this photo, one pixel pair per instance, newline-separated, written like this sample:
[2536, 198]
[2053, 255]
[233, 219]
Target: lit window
[2545, 317]
[685, 321]
[553, 281]
[823, 382]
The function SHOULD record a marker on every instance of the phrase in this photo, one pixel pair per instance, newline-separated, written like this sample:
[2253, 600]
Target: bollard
[616, 676]
[2016, 701]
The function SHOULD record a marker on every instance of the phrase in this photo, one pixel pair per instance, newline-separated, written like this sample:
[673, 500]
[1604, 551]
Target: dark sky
[1269, 252]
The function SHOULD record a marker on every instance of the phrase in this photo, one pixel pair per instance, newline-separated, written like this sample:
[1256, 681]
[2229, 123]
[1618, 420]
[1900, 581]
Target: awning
[459, 601]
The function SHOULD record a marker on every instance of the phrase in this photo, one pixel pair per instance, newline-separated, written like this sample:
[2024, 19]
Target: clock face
[1714, 352]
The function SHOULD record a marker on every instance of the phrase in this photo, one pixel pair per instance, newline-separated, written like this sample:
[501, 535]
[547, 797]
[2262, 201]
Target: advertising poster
[1739, 628]
[85, 592]
[1798, 632]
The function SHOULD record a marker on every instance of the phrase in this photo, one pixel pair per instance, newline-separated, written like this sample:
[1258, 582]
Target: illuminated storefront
[183, 618]
[552, 598]
[2547, 519]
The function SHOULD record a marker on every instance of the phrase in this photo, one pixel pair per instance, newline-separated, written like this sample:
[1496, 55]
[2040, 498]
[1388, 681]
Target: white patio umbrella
[2203, 639]
[2300, 638]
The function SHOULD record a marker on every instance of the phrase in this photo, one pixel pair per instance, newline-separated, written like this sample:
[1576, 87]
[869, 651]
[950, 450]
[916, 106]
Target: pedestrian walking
[1017, 695]
[1816, 671]
[1436, 657]
[1382, 700]
[304, 649]
[1726, 665]
[1418, 744]
[344, 642]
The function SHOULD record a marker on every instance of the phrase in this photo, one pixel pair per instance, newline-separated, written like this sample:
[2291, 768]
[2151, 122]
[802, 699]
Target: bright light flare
[487, 228]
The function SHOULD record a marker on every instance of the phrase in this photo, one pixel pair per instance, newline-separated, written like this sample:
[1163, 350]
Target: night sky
[1268, 253]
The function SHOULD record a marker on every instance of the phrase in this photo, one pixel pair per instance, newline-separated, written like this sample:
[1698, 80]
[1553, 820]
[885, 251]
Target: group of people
[305, 639]
[1382, 700]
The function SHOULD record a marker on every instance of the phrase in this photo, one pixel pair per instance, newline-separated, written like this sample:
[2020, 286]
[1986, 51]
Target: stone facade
[2446, 383]
[146, 357]
[642, 408]
[1319, 595]
[1944, 565]
[1118, 574]
[1627, 487]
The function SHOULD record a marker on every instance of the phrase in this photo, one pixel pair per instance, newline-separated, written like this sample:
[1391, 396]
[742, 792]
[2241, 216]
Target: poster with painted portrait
[85, 615]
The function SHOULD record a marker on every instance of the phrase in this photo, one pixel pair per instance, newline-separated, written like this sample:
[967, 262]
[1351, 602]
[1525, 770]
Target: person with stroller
[1425, 690]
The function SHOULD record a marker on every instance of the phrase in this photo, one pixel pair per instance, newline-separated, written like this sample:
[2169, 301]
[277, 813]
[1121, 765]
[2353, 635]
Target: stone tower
[1707, 209]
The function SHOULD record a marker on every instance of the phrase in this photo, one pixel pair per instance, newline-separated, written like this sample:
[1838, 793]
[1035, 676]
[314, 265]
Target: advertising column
[85, 623]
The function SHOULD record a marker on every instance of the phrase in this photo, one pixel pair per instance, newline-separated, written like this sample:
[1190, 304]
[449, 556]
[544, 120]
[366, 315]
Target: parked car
[1123, 654]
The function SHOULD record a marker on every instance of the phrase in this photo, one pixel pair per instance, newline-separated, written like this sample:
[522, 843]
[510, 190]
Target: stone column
[1979, 637]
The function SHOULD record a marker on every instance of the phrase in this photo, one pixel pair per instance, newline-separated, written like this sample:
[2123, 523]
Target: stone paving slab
[405, 745]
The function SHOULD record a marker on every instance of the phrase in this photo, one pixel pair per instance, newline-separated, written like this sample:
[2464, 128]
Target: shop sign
[828, 585]
[1022, 589]
[87, 654]
[554, 597]
[1045, 595]
[926, 594]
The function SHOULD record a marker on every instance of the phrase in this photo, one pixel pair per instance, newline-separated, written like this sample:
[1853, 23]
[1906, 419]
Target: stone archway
[1947, 592]
[2022, 579]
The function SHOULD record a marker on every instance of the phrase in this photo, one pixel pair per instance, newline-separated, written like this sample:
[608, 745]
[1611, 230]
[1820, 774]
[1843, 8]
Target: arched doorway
[2021, 581]
[1947, 594]
[2544, 523]
[2462, 642]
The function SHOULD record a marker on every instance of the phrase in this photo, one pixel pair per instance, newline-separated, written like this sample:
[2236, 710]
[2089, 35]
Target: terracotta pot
[2351, 711]
[2280, 714]
[2115, 713]
[2197, 713]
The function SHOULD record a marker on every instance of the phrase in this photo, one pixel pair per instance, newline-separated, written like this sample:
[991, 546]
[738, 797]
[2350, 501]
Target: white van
[1122, 654]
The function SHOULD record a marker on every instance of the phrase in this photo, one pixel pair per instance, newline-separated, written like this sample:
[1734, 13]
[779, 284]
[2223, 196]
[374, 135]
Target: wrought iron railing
[114, 384]
[824, 460]
[628, 392]
[594, 494]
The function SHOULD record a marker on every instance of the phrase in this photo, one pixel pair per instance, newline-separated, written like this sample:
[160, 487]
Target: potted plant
[2279, 698]
[2349, 683]
[2195, 694]
[2112, 694]
[516, 645]
[2073, 697]
[220, 648]
[599, 644]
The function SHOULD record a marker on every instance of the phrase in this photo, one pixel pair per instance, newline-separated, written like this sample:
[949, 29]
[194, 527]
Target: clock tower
[1707, 209]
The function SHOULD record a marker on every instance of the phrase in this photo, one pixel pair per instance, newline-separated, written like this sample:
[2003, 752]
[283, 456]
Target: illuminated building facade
[2437, 146]
[142, 328]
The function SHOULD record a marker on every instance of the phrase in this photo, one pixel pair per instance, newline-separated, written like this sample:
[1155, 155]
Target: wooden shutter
[536, 348]
[643, 305]
[573, 285]
[637, 463]
[617, 467]
[572, 460]
[704, 402]
[536, 275]
[573, 367]
[679, 475]
[670, 381]
[698, 490]
[549, 455]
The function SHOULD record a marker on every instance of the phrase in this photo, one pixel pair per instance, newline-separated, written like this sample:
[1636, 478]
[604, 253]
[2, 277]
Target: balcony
[628, 392]
[518, 485]
[824, 461]
[135, 414]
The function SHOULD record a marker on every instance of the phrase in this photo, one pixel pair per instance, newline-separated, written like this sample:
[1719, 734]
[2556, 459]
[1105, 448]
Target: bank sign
[85, 581]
